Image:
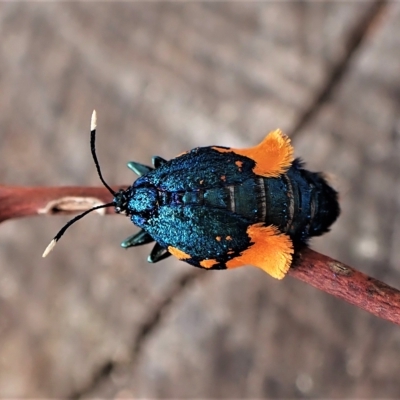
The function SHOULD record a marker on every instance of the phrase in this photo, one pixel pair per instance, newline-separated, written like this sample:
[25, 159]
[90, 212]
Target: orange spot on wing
[223, 177]
[239, 165]
[181, 255]
[218, 238]
[271, 251]
[208, 263]
[228, 238]
[273, 156]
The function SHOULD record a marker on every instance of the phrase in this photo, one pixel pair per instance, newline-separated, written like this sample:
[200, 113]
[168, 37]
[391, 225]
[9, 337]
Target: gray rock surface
[93, 320]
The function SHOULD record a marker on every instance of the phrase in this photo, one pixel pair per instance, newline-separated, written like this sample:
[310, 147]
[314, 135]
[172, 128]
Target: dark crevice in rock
[355, 40]
[148, 328]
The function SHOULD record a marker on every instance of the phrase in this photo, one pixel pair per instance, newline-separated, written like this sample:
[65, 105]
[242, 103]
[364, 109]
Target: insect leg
[158, 253]
[158, 161]
[137, 239]
[139, 169]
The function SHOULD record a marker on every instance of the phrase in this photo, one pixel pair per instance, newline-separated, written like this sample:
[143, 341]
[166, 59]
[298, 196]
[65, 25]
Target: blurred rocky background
[94, 320]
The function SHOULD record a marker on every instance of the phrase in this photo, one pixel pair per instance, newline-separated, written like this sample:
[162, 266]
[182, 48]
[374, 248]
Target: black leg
[158, 161]
[138, 168]
[137, 239]
[157, 254]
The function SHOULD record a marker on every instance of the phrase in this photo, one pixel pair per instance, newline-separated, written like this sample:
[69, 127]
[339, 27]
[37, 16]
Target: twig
[342, 281]
[17, 201]
[320, 271]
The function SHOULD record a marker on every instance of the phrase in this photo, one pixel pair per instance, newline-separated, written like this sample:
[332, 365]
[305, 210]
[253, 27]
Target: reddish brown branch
[342, 281]
[17, 201]
[318, 270]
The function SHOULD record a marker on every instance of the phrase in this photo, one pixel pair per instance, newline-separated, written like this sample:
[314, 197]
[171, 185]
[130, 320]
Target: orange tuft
[273, 156]
[271, 251]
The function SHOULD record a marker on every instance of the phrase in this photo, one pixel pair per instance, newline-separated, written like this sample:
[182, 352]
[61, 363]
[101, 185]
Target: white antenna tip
[49, 248]
[93, 122]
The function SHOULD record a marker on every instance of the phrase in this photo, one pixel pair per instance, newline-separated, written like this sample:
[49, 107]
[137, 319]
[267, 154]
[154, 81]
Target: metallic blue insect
[217, 207]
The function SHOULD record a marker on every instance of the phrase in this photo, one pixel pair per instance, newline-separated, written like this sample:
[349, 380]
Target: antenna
[93, 124]
[51, 245]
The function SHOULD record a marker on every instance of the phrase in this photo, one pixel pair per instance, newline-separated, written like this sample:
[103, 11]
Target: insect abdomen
[300, 203]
